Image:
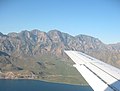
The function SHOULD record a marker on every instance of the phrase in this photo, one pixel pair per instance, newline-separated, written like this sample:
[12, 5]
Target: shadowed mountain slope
[37, 48]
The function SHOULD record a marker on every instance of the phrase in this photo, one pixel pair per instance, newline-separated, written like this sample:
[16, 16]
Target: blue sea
[35, 85]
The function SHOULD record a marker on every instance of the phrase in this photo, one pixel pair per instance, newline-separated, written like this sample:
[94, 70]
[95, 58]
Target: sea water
[35, 85]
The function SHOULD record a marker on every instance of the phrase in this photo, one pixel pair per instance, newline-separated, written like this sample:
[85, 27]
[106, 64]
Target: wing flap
[97, 84]
[106, 76]
[115, 72]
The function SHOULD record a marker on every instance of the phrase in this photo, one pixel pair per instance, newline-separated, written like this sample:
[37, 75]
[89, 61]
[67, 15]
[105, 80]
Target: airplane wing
[99, 75]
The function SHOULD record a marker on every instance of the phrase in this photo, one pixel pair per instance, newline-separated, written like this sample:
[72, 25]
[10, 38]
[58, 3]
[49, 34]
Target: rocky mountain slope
[27, 47]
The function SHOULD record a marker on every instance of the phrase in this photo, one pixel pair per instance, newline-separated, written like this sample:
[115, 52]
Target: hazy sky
[97, 18]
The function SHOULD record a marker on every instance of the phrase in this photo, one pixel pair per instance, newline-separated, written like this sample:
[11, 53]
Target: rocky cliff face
[35, 43]
[39, 55]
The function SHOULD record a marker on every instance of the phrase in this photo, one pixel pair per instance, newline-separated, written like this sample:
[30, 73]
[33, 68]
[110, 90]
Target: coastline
[47, 81]
[38, 85]
[31, 76]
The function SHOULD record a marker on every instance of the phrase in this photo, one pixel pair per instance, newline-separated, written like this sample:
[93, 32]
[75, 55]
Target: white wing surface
[99, 75]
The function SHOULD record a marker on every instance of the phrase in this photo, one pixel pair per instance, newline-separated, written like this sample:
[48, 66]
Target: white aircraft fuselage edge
[99, 75]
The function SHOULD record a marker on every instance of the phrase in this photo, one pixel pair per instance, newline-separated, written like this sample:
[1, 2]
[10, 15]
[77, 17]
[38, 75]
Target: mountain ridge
[37, 42]
[38, 52]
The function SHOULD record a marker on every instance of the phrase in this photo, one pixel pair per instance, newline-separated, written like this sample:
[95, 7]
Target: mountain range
[42, 54]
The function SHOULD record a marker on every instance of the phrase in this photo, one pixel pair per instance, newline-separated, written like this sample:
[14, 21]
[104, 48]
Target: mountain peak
[1, 34]
[31, 44]
[54, 32]
[35, 31]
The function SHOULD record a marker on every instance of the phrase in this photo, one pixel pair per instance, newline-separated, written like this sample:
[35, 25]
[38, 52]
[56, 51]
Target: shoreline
[46, 81]
[31, 76]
